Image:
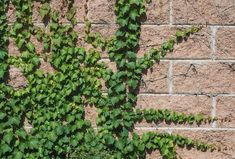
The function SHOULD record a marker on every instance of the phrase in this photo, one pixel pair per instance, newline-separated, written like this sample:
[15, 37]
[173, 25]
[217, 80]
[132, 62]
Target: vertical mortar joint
[213, 42]
[170, 12]
[213, 112]
[170, 78]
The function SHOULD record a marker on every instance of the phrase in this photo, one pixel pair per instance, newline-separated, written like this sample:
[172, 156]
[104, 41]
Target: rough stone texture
[197, 46]
[157, 12]
[187, 104]
[91, 114]
[224, 140]
[205, 12]
[11, 13]
[155, 80]
[37, 44]
[212, 77]
[181, 103]
[226, 111]
[16, 79]
[36, 9]
[101, 11]
[152, 37]
[46, 67]
[225, 40]
[12, 48]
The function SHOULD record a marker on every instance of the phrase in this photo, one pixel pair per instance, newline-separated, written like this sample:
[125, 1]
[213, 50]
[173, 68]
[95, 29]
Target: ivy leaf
[5, 148]
[18, 26]
[114, 100]
[131, 54]
[19, 155]
[119, 144]
[30, 47]
[59, 130]
[120, 88]
[8, 137]
[14, 121]
[109, 139]
[2, 115]
[137, 2]
[21, 133]
[2, 54]
[45, 10]
[20, 43]
[133, 83]
[134, 14]
[131, 65]
[133, 27]
[122, 22]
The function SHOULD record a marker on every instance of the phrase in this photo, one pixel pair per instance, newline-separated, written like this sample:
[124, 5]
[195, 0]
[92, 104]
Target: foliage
[54, 103]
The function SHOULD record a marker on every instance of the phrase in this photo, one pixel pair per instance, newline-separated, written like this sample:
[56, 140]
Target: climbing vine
[54, 103]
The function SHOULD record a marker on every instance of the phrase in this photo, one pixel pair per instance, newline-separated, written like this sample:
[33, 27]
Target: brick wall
[198, 77]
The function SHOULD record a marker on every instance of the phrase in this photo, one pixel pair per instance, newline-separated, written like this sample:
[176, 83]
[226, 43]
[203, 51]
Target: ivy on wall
[54, 103]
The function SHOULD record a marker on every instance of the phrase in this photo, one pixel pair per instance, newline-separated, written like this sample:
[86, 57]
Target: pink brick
[205, 12]
[101, 11]
[226, 111]
[181, 103]
[197, 46]
[187, 104]
[152, 37]
[225, 43]
[223, 140]
[155, 80]
[211, 77]
[91, 114]
[157, 12]
[16, 78]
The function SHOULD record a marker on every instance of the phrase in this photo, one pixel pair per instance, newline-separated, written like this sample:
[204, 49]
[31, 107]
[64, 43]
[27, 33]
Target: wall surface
[198, 77]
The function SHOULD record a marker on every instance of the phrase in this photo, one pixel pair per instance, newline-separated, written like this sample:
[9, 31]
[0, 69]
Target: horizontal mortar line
[208, 25]
[197, 60]
[170, 128]
[179, 94]
[184, 60]
[184, 128]
[143, 24]
[185, 94]
[166, 24]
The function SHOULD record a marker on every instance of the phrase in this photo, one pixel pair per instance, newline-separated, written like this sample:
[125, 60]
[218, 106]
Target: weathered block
[199, 78]
[187, 104]
[197, 46]
[155, 79]
[225, 43]
[205, 12]
[226, 111]
[101, 11]
[224, 141]
[16, 78]
[157, 12]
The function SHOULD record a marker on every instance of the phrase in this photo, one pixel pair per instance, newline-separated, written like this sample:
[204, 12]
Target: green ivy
[54, 103]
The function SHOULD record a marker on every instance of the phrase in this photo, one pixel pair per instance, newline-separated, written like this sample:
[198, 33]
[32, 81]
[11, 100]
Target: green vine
[54, 103]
